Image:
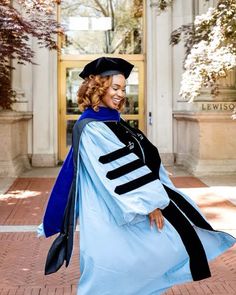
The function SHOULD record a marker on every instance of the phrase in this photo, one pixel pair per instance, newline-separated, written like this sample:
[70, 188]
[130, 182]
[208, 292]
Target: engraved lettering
[218, 106]
[215, 106]
[231, 106]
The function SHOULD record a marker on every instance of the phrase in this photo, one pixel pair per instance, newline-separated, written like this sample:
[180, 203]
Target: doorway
[94, 29]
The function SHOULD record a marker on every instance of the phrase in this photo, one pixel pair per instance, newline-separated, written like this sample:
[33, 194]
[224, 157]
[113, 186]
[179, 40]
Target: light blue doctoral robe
[119, 253]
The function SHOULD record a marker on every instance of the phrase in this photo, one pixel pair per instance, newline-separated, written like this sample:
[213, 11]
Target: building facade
[199, 135]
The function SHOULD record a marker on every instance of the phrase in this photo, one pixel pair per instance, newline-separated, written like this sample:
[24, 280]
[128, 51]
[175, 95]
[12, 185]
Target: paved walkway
[22, 254]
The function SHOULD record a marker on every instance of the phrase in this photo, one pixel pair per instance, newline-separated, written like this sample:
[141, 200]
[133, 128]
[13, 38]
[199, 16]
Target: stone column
[159, 82]
[22, 85]
[36, 88]
[45, 108]
[227, 87]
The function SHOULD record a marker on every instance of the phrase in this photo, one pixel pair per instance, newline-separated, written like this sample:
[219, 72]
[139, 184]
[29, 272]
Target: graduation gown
[119, 253]
[120, 180]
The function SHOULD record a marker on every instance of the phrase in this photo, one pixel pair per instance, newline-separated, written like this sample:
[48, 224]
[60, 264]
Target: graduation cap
[107, 66]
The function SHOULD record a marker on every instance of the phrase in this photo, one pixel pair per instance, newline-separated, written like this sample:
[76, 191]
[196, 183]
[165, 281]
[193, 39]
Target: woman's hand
[156, 217]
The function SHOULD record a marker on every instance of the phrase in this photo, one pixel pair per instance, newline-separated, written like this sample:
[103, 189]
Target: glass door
[94, 29]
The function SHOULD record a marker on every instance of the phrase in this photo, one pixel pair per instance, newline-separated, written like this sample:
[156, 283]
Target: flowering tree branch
[210, 48]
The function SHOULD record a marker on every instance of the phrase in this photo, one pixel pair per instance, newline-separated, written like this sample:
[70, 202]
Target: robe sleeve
[164, 176]
[40, 231]
[132, 206]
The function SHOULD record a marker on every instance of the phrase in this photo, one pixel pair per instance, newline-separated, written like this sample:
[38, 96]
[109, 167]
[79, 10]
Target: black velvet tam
[107, 66]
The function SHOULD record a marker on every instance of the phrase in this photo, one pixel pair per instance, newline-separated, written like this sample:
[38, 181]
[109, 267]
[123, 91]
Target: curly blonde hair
[92, 90]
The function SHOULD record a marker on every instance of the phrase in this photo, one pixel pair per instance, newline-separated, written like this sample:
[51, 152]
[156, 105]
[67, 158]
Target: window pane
[103, 26]
[132, 103]
[73, 81]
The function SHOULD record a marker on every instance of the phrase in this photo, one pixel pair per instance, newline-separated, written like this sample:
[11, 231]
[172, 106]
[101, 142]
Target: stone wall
[14, 157]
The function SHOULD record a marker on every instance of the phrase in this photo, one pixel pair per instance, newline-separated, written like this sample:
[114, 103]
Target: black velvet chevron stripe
[188, 209]
[115, 155]
[136, 183]
[198, 261]
[118, 172]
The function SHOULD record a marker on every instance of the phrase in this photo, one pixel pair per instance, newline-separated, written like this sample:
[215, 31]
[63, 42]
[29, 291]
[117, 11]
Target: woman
[139, 235]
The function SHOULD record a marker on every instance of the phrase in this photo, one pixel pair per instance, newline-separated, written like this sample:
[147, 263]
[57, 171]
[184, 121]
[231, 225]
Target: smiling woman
[115, 95]
[106, 91]
[130, 213]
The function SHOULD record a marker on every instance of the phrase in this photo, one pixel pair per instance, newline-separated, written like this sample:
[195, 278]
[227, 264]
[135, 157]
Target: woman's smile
[115, 93]
[116, 100]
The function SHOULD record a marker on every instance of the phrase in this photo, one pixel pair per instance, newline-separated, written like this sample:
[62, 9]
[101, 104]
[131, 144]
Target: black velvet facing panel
[136, 183]
[188, 209]
[129, 167]
[198, 261]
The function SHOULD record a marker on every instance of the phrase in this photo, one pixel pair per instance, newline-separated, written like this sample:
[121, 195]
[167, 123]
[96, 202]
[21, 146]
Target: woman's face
[115, 93]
